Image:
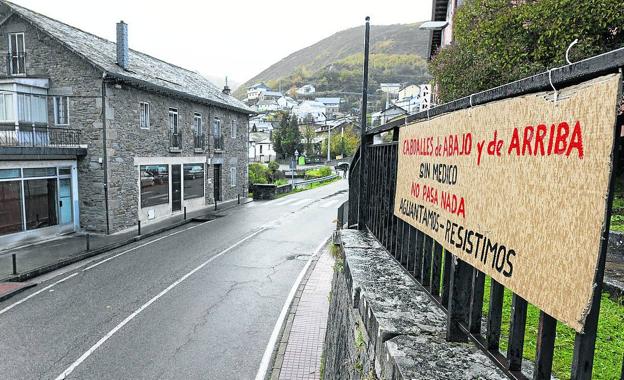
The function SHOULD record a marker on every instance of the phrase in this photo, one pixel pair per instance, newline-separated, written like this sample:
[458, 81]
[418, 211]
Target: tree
[258, 173]
[344, 144]
[499, 41]
[308, 136]
[287, 138]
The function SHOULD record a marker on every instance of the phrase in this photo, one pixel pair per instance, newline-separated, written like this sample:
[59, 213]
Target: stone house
[96, 136]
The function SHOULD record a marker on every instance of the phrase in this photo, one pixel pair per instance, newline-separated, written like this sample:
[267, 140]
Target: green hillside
[334, 64]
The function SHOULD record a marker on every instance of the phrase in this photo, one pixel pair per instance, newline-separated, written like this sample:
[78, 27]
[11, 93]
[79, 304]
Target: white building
[267, 105]
[270, 95]
[331, 104]
[261, 147]
[310, 108]
[286, 102]
[384, 116]
[260, 123]
[307, 89]
[254, 91]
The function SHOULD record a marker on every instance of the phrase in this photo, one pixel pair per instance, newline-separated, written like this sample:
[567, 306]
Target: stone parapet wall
[382, 324]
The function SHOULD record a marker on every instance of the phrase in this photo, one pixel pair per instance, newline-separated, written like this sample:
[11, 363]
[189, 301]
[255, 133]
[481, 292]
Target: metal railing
[16, 62]
[39, 137]
[218, 142]
[175, 139]
[455, 285]
[199, 141]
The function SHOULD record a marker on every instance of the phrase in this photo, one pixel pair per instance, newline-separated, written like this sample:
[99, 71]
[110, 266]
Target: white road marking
[330, 203]
[35, 293]
[106, 337]
[268, 352]
[300, 202]
[285, 202]
[142, 245]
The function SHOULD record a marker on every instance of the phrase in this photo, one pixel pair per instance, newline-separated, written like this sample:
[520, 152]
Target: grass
[609, 344]
[617, 211]
[309, 187]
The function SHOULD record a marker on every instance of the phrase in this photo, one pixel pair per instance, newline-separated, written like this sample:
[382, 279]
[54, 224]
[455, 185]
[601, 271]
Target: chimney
[226, 89]
[122, 45]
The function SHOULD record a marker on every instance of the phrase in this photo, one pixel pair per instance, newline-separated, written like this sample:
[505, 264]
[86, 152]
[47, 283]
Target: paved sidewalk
[301, 346]
[37, 257]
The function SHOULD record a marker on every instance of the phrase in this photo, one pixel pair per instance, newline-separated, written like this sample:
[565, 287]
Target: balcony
[16, 63]
[28, 140]
[218, 142]
[199, 142]
[175, 141]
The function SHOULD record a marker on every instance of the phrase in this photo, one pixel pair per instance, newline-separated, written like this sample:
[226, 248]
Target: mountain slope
[399, 39]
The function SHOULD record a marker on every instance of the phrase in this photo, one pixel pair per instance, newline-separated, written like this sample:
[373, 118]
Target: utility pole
[328, 138]
[362, 162]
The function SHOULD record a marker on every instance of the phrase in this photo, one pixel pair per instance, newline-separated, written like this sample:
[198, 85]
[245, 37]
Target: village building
[307, 89]
[96, 136]
[261, 147]
[254, 92]
[309, 110]
[332, 105]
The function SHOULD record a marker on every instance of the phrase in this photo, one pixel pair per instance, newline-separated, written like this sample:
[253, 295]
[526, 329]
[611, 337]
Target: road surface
[197, 302]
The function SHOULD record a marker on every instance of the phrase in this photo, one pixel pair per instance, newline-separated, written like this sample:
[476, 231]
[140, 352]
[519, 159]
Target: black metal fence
[39, 137]
[454, 284]
[175, 139]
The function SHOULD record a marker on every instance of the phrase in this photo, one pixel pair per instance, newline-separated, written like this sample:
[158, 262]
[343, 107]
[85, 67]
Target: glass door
[176, 187]
[65, 201]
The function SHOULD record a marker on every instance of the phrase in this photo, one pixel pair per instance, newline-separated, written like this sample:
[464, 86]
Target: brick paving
[305, 331]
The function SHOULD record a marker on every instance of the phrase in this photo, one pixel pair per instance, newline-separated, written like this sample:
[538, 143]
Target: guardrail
[315, 180]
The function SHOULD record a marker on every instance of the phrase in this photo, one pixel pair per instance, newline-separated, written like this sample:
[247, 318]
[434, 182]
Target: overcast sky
[226, 37]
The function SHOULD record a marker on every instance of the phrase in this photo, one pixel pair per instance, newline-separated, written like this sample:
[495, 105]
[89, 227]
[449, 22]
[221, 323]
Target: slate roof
[143, 70]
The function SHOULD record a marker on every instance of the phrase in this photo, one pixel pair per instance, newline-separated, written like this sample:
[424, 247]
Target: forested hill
[333, 65]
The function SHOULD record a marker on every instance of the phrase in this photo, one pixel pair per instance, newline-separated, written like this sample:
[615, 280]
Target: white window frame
[175, 127]
[56, 118]
[233, 176]
[23, 69]
[233, 129]
[147, 118]
[198, 131]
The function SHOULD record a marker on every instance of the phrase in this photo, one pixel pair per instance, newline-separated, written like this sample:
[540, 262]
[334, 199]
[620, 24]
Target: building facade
[94, 136]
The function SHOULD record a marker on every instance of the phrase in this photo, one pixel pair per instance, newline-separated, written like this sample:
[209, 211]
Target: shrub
[323, 171]
[258, 174]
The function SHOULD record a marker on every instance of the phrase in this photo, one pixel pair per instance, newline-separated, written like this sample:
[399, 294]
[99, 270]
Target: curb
[16, 291]
[275, 365]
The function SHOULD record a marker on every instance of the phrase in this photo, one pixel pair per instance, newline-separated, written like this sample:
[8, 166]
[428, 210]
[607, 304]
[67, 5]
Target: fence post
[88, 241]
[546, 333]
[459, 297]
[139, 227]
[14, 260]
[363, 141]
[517, 327]
[238, 195]
[184, 212]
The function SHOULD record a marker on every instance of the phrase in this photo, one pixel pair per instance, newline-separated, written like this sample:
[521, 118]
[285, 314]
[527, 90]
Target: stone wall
[71, 76]
[382, 324]
[128, 141]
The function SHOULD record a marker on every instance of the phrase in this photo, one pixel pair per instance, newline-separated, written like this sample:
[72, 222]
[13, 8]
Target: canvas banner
[518, 188]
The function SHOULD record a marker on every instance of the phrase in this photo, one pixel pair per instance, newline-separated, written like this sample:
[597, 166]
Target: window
[216, 132]
[41, 197]
[233, 129]
[233, 177]
[144, 115]
[197, 124]
[17, 53]
[173, 120]
[11, 201]
[61, 110]
[32, 108]
[154, 185]
[6, 107]
[193, 181]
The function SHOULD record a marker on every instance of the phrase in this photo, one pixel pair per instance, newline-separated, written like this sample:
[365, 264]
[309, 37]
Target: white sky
[226, 37]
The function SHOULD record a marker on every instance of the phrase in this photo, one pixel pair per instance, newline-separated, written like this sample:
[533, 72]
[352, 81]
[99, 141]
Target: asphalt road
[198, 302]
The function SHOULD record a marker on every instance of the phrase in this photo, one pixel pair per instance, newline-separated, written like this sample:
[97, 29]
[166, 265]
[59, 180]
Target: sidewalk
[38, 258]
[301, 346]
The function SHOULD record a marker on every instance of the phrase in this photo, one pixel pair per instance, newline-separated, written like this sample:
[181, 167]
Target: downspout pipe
[104, 152]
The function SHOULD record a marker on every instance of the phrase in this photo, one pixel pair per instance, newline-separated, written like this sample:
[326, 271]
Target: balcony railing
[16, 62]
[218, 142]
[175, 140]
[199, 141]
[50, 137]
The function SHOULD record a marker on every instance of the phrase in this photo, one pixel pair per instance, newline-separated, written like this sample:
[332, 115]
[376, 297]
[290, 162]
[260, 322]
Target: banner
[518, 188]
